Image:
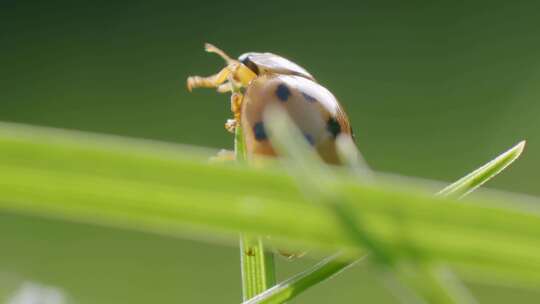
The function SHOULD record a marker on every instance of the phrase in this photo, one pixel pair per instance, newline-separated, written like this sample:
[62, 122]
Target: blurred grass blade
[256, 263]
[475, 179]
[288, 140]
[434, 284]
[301, 159]
[449, 280]
[168, 189]
[351, 157]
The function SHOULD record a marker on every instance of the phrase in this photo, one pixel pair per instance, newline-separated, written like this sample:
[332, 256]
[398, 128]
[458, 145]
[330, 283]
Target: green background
[432, 90]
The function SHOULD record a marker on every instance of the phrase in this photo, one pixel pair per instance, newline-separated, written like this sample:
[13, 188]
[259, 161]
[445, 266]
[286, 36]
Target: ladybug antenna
[210, 48]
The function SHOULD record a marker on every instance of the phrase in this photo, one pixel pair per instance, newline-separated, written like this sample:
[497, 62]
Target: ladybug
[259, 79]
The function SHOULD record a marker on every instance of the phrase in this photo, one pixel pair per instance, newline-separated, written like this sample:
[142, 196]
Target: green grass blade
[257, 263]
[478, 177]
[148, 186]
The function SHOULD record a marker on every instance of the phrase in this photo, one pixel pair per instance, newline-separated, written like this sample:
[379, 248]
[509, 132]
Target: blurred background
[432, 89]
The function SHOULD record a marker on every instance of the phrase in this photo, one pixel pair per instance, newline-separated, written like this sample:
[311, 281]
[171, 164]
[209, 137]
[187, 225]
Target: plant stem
[257, 264]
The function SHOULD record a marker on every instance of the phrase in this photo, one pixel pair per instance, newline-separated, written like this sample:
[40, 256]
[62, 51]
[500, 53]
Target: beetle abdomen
[312, 107]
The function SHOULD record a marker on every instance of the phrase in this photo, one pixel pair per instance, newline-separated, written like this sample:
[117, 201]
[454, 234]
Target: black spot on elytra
[259, 132]
[310, 139]
[309, 97]
[332, 125]
[283, 92]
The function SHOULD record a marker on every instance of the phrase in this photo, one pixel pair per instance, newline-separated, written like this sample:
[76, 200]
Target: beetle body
[312, 107]
[266, 78]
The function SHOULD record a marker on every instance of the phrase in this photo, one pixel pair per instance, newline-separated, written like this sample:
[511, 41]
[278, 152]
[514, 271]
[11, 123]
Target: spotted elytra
[259, 79]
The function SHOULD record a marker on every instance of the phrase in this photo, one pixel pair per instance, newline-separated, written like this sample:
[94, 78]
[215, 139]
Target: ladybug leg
[210, 81]
[226, 87]
[236, 108]
[236, 105]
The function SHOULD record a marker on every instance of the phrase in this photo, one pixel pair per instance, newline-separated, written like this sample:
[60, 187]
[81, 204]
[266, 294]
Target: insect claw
[209, 47]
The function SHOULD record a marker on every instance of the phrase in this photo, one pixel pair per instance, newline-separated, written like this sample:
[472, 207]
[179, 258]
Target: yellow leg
[236, 105]
[213, 81]
[226, 87]
[236, 108]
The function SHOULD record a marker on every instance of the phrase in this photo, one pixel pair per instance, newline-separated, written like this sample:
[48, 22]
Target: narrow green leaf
[257, 263]
[478, 177]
